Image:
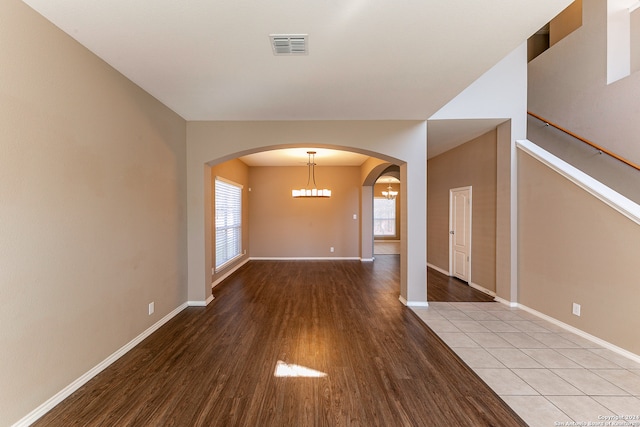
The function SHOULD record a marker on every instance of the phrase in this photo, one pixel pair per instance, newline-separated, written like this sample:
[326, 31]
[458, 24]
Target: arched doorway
[387, 214]
[399, 142]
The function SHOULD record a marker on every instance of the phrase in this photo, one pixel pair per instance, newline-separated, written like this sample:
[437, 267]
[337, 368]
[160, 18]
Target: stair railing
[586, 141]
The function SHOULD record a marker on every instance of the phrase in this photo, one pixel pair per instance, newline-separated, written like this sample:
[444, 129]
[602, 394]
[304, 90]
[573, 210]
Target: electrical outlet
[355, 216]
[151, 308]
[576, 309]
[331, 249]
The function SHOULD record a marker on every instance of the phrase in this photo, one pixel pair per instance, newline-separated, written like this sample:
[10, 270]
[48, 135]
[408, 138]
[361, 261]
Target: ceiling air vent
[289, 44]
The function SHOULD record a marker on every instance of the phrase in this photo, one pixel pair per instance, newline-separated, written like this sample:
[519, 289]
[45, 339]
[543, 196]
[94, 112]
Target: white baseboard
[505, 302]
[417, 304]
[438, 269]
[404, 301]
[583, 334]
[473, 285]
[75, 385]
[200, 303]
[367, 259]
[229, 273]
[482, 289]
[333, 258]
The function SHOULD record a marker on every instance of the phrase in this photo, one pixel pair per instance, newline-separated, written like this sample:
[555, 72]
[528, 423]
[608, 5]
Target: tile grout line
[560, 337]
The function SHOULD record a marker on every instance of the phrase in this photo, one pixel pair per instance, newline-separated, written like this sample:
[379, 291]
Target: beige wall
[566, 22]
[635, 41]
[92, 210]
[237, 171]
[574, 248]
[536, 44]
[471, 164]
[370, 170]
[399, 142]
[608, 170]
[568, 86]
[282, 226]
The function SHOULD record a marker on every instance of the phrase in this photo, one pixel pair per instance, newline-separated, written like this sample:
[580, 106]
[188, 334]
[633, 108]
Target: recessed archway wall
[371, 172]
[398, 142]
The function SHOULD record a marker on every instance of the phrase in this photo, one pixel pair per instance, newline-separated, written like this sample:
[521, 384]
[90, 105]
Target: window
[621, 33]
[384, 217]
[228, 221]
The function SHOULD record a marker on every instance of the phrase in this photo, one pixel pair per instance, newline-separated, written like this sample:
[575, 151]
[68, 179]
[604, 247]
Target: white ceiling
[368, 59]
[385, 179]
[443, 135]
[299, 157]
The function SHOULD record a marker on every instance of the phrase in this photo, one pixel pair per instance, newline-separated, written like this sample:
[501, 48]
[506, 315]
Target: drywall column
[366, 223]
[413, 232]
[199, 226]
[501, 93]
[505, 263]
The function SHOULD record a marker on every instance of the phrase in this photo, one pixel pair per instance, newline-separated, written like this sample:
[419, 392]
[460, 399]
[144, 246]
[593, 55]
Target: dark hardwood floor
[215, 366]
[441, 287]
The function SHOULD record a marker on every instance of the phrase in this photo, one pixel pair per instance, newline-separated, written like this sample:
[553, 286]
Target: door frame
[470, 188]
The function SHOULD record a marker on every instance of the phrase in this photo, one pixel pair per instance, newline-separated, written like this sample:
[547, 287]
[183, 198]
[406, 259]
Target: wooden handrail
[586, 141]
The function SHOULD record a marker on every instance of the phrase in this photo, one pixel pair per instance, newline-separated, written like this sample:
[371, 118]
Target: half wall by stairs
[578, 242]
[618, 176]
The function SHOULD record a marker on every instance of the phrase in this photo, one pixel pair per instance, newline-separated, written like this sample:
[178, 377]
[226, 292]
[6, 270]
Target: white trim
[236, 208]
[34, 415]
[617, 201]
[228, 181]
[473, 285]
[438, 269]
[417, 304]
[227, 263]
[583, 334]
[367, 259]
[469, 255]
[200, 303]
[404, 301]
[482, 289]
[229, 273]
[511, 304]
[305, 258]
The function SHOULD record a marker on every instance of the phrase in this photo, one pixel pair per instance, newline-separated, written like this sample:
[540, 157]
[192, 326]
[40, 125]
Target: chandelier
[308, 191]
[390, 194]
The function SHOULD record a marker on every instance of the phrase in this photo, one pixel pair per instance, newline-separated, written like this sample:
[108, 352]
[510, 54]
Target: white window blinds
[228, 220]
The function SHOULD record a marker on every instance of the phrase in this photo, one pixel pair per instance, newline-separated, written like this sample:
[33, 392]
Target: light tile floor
[549, 376]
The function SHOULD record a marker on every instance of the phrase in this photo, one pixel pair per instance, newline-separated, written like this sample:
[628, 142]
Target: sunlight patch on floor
[290, 370]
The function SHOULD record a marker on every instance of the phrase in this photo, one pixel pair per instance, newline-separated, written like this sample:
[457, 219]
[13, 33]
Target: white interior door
[460, 233]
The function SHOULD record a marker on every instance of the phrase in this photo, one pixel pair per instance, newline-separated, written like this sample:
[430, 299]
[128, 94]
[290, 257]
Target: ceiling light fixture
[390, 194]
[311, 192]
